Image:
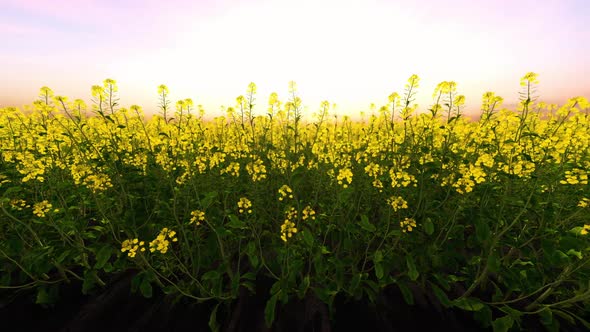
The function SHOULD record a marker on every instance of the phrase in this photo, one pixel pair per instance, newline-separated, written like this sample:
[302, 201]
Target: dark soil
[115, 308]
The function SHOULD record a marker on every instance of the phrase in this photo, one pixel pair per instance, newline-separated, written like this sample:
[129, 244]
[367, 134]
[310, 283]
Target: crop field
[490, 216]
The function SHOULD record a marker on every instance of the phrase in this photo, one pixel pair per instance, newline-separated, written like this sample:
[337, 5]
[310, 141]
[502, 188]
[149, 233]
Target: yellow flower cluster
[131, 246]
[575, 176]
[162, 241]
[244, 205]
[397, 203]
[18, 204]
[288, 227]
[41, 208]
[284, 192]
[232, 169]
[85, 175]
[378, 184]
[373, 170]
[257, 170]
[401, 179]
[30, 167]
[407, 224]
[308, 213]
[470, 176]
[4, 179]
[196, 217]
[584, 202]
[344, 177]
[585, 230]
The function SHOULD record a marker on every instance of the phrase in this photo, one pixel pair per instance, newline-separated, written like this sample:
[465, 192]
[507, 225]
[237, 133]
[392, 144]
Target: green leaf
[249, 285]
[210, 275]
[442, 281]
[269, 310]
[468, 304]
[412, 271]
[254, 260]
[406, 293]
[208, 200]
[559, 257]
[145, 288]
[304, 286]
[378, 257]
[366, 225]
[355, 282]
[252, 255]
[441, 296]
[307, 238]
[546, 317]
[565, 316]
[103, 256]
[482, 230]
[62, 257]
[248, 276]
[135, 281]
[108, 267]
[515, 314]
[484, 316]
[344, 195]
[502, 324]
[235, 222]
[213, 319]
[493, 262]
[45, 297]
[379, 271]
[522, 263]
[89, 281]
[428, 226]
[581, 320]
[276, 287]
[576, 253]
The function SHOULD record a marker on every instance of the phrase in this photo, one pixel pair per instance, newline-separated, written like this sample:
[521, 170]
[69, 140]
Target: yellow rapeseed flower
[162, 241]
[244, 205]
[18, 204]
[308, 213]
[41, 208]
[344, 177]
[284, 192]
[196, 217]
[407, 225]
[397, 203]
[131, 246]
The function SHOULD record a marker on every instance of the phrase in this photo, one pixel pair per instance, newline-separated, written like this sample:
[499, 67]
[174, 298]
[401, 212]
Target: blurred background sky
[349, 52]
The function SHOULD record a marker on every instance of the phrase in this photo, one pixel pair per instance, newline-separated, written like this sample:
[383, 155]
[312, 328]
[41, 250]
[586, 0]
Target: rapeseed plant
[397, 203]
[18, 204]
[285, 192]
[131, 246]
[288, 227]
[197, 216]
[407, 225]
[512, 179]
[41, 208]
[244, 205]
[162, 242]
[308, 213]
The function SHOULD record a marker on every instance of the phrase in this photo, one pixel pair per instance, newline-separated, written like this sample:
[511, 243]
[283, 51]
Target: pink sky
[351, 53]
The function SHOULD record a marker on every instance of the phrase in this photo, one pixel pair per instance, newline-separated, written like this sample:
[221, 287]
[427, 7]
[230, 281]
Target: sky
[349, 52]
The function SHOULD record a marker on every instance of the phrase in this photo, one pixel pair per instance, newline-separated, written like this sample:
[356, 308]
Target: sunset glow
[352, 53]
